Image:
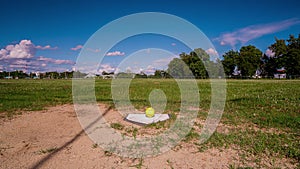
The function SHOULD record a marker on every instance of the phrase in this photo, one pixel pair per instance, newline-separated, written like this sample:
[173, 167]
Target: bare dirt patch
[53, 138]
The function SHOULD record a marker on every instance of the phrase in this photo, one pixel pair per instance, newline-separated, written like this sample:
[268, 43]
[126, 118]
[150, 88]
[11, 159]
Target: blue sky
[48, 35]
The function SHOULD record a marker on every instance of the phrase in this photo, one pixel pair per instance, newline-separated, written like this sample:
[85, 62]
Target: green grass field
[267, 104]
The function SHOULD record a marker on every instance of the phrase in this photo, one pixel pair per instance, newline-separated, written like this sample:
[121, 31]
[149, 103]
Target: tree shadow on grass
[54, 152]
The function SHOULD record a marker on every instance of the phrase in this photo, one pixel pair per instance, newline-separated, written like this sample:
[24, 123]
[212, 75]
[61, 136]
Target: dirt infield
[53, 138]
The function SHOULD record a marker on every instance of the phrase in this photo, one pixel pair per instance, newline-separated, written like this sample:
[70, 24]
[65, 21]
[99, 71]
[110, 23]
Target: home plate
[142, 119]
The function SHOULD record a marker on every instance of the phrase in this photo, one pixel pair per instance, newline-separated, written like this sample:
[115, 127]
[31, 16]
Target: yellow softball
[150, 112]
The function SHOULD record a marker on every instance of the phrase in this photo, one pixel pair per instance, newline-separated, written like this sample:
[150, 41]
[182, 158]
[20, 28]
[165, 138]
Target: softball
[150, 112]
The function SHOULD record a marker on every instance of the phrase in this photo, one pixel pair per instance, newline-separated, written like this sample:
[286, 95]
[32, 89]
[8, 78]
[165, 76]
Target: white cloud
[115, 53]
[128, 70]
[93, 50]
[46, 47]
[22, 64]
[211, 52]
[3, 52]
[61, 61]
[22, 56]
[55, 61]
[107, 68]
[163, 62]
[87, 67]
[53, 69]
[173, 44]
[150, 69]
[77, 47]
[23, 50]
[16, 66]
[270, 53]
[248, 33]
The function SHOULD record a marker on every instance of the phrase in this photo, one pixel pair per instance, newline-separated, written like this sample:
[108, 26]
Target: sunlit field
[262, 116]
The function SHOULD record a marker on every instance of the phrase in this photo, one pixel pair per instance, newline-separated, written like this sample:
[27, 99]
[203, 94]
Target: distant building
[90, 75]
[108, 76]
[280, 74]
[8, 77]
[236, 72]
[257, 74]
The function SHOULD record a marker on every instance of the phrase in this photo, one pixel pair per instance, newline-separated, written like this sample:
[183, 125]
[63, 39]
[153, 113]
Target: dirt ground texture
[54, 138]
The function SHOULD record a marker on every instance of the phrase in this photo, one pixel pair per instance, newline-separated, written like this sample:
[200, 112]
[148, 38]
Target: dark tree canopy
[197, 64]
[178, 69]
[287, 54]
[249, 59]
[230, 61]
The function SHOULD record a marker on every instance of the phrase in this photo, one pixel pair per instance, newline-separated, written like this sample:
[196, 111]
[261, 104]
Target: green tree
[141, 75]
[196, 61]
[160, 74]
[201, 54]
[157, 74]
[292, 58]
[249, 60]
[268, 66]
[216, 69]
[287, 55]
[178, 69]
[279, 48]
[230, 61]
[292, 64]
[205, 64]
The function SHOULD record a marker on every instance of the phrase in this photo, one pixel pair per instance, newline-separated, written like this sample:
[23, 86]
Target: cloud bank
[23, 50]
[243, 35]
[211, 52]
[22, 56]
[46, 47]
[115, 53]
[77, 47]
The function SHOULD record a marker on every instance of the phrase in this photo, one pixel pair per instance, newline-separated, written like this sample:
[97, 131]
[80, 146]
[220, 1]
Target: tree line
[244, 63]
[19, 74]
[249, 61]
[196, 64]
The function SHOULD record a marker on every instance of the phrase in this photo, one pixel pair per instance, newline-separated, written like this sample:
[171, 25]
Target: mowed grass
[16, 95]
[267, 104]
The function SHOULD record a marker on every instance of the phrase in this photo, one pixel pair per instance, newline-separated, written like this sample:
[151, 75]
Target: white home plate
[142, 119]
